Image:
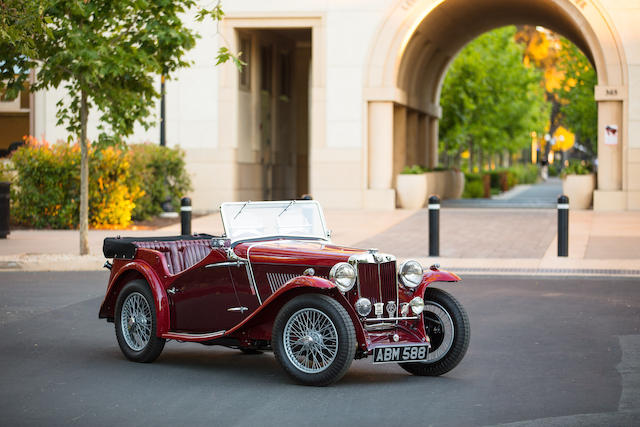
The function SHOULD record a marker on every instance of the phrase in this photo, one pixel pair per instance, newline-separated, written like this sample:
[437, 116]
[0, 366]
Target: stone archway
[411, 53]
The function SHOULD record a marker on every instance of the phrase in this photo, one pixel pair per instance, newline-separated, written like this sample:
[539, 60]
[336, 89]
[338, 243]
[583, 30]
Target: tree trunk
[471, 157]
[84, 177]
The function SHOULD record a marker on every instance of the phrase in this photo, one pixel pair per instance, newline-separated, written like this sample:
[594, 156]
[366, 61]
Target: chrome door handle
[172, 291]
[240, 309]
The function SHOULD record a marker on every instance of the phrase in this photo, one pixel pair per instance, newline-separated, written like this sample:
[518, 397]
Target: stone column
[399, 141]
[609, 194]
[423, 138]
[380, 193]
[432, 143]
[412, 139]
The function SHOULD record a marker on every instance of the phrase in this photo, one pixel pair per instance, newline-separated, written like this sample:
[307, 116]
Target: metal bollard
[4, 209]
[434, 226]
[563, 225]
[185, 216]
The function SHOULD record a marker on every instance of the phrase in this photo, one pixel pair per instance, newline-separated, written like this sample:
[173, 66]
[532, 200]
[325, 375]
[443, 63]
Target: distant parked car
[274, 281]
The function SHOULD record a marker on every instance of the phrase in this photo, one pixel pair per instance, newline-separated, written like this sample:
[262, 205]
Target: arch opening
[422, 41]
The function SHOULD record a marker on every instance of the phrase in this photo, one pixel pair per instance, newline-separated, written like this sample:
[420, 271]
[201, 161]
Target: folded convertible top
[125, 247]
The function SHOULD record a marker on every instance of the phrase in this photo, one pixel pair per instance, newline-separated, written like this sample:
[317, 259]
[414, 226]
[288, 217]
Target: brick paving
[472, 233]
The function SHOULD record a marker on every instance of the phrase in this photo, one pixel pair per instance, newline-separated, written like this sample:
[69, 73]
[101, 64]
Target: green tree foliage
[569, 80]
[106, 54]
[22, 30]
[578, 106]
[490, 100]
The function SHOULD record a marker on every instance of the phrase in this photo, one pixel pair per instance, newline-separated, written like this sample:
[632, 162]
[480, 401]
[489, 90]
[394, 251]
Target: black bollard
[434, 226]
[4, 210]
[185, 216]
[563, 225]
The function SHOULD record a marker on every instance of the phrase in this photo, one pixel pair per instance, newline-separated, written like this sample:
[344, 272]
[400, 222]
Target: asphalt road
[544, 351]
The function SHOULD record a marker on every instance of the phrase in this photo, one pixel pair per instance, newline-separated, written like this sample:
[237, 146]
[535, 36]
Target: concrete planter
[454, 184]
[579, 189]
[436, 183]
[411, 191]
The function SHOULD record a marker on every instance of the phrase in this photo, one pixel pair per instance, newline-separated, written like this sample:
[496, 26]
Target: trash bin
[4, 209]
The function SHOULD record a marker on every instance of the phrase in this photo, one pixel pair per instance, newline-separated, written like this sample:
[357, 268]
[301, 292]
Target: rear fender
[435, 276]
[128, 271]
[259, 324]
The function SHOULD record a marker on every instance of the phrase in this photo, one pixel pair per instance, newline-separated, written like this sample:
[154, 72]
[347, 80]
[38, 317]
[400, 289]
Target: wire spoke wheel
[439, 327]
[314, 339]
[447, 325]
[136, 321]
[310, 340]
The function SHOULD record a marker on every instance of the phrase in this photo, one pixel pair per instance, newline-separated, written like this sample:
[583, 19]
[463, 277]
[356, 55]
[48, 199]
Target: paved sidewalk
[510, 241]
[538, 196]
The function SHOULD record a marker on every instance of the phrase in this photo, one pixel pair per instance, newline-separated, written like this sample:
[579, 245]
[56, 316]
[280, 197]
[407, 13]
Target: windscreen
[252, 220]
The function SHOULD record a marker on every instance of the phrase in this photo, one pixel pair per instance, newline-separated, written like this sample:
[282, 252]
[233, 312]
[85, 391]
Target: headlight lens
[343, 275]
[417, 305]
[363, 307]
[411, 274]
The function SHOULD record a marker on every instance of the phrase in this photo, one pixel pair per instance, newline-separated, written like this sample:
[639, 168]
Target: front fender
[260, 322]
[435, 276]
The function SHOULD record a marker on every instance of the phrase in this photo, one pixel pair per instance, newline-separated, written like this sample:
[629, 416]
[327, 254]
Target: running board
[192, 337]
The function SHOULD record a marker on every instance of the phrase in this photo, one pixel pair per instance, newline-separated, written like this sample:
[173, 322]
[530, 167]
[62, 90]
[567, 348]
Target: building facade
[338, 96]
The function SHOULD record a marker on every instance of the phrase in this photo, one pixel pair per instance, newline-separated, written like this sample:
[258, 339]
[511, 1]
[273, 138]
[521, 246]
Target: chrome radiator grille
[378, 281]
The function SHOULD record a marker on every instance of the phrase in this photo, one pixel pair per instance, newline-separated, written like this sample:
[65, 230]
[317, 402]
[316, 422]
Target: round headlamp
[363, 307]
[417, 305]
[343, 275]
[410, 274]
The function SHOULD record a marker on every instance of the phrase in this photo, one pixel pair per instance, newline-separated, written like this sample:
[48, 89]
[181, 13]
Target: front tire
[135, 323]
[447, 325]
[314, 339]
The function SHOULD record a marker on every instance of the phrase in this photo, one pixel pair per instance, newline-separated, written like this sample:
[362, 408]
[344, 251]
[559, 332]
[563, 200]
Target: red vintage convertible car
[274, 281]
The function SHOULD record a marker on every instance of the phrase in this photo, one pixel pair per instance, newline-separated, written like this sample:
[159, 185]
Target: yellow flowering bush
[45, 192]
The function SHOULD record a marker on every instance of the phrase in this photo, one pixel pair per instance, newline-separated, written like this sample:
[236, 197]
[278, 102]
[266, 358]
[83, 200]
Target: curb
[51, 262]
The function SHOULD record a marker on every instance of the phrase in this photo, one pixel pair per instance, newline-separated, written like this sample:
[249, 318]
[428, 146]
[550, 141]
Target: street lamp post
[167, 208]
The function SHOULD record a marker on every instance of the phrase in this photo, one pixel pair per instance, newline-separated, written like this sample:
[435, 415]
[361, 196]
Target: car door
[204, 298]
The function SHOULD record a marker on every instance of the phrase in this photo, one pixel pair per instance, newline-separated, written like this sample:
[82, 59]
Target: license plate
[401, 353]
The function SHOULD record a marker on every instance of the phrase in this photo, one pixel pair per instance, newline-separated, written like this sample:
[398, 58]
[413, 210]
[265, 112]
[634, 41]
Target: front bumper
[393, 331]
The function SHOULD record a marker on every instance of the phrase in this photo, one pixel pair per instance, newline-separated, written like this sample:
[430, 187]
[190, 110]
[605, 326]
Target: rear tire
[135, 323]
[447, 325]
[314, 339]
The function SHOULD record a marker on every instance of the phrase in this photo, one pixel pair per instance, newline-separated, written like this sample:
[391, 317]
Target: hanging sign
[611, 135]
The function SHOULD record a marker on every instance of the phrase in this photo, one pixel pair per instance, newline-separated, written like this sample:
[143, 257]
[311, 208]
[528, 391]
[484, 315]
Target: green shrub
[553, 170]
[525, 174]
[495, 178]
[578, 167]
[413, 170]
[160, 173]
[473, 186]
[46, 189]
[123, 183]
[473, 190]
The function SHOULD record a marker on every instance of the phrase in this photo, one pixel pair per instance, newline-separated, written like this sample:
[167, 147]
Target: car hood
[298, 252]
